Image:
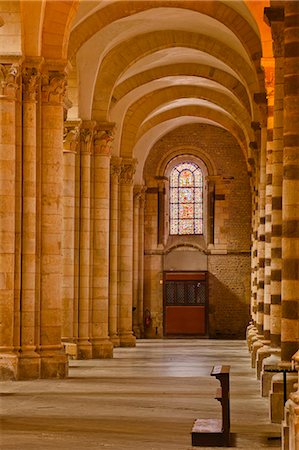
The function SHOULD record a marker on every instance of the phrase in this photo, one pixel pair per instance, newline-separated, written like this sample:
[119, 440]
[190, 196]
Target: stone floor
[146, 398]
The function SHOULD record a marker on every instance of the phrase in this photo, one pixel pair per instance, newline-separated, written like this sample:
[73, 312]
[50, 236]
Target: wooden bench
[215, 432]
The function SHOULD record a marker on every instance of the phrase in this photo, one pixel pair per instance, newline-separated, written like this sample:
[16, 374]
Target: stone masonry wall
[229, 274]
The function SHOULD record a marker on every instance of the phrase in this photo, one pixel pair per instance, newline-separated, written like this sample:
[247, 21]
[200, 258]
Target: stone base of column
[102, 348]
[261, 354]
[254, 348]
[71, 349]
[276, 395]
[137, 332]
[28, 365]
[115, 340]
[127, 340]
[8, 366]
[251, 337]
[290, 426]
[84, 349]
[269, 365]
[54, 364]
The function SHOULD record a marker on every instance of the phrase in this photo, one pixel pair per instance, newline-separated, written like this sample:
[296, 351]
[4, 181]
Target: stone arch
[183, 69]
[58, 17]
[134, 121]
[113, 12]
[139, 46]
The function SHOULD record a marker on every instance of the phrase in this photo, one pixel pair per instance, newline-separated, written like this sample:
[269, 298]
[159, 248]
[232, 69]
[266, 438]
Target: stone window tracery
[186, 199]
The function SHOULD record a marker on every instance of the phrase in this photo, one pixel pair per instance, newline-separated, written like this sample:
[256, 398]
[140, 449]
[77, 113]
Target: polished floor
[145, 398]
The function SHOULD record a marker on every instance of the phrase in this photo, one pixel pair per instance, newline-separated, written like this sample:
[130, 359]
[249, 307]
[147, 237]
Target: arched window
[186, 199]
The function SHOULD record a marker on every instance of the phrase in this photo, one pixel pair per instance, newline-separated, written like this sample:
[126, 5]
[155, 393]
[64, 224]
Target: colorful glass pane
[186, 197]
[186, 178]
[186, 211]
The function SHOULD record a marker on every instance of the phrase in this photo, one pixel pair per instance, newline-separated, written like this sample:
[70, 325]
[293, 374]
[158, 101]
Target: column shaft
[290, 211]
[84, 348]
[53, 360]
[70, 145]
[114, 239]
[126, 254]
[102, 347]
[29, 361]
[8, 88]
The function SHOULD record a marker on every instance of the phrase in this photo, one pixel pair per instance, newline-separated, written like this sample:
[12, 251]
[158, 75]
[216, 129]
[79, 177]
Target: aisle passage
[145, 398]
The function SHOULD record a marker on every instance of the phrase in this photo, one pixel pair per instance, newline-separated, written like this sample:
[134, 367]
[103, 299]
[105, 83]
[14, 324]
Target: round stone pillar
[115, 171]
[269, 72]
[261, 234]
[102, 347]
[140, 302]
[84, 348]
[9, 74]
[290, 197]
[53, 360]
[29, 360]
[127, 339]
[69, 297]
[277, 169]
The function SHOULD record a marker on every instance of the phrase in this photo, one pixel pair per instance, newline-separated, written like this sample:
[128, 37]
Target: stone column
[102, 347]
[290, 197]
[126, 253]
[271, 363]
[9, 74]
[29, 360]
[261, 235]
[140, 308]
[115, 171]
[277, 168]
[137, 191]
[138, 256]
[84, 348]
[69, 298]
[269, 71]
[53, 360]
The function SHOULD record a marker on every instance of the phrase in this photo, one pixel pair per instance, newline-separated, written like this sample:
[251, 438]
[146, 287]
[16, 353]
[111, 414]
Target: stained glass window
[186, 199]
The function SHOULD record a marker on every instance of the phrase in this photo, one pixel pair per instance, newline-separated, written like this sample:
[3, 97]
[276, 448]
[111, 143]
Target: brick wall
[229, 275]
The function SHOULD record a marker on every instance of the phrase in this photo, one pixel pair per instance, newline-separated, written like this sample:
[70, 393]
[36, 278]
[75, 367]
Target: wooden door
[185, 303]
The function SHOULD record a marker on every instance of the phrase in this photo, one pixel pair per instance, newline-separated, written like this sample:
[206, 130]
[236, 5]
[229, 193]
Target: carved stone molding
[53, 87]
[30, 81]
[128, 169]
[9, 80]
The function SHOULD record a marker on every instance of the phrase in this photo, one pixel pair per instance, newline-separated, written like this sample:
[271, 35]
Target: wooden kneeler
[215, 432]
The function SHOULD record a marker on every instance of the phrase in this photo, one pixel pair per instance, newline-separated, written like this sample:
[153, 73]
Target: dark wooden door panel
[185, 320]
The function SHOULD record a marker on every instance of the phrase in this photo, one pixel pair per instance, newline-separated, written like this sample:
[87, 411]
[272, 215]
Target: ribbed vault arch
[113, 66]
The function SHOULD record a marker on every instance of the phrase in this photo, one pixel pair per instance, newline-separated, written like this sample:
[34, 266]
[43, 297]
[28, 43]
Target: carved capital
[71, 136]
[9, 77]
[102, 142]
[30, 82]
[270, 80]
[115, 167]
[128, 169]
[278, 39]
[53, 87]
[86, 136]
